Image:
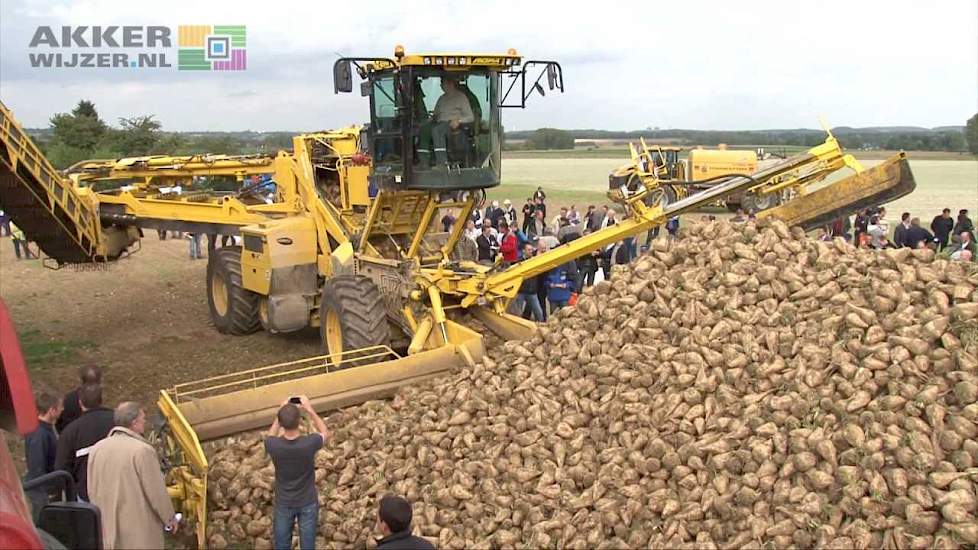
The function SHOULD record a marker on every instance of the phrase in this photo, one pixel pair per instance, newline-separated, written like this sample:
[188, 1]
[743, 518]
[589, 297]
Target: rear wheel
[234, 309]
[352, 315]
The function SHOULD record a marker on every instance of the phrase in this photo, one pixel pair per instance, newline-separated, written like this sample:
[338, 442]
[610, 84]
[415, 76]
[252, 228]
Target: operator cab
[435, 119]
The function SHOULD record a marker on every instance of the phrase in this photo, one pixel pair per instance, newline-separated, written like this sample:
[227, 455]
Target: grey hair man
[126, 483]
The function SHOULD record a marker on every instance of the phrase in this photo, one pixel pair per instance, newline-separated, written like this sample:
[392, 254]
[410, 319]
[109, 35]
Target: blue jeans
[285, 518]
[534, 303]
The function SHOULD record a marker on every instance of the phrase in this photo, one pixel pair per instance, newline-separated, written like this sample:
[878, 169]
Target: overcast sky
[627, 65]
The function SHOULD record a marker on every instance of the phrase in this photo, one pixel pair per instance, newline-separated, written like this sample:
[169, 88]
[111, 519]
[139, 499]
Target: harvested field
[738, 387]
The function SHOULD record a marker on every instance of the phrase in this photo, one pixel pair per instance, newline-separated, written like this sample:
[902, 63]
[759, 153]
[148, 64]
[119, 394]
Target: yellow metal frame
[186, 483]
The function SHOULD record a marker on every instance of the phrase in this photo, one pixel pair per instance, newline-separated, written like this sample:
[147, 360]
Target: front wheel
[352, 315]
[234, 309]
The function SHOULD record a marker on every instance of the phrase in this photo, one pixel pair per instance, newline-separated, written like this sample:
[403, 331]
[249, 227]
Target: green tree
[63, 155]
[79, 130]
[85, 108]
[971, 134]
[136, 136]
[550, 138]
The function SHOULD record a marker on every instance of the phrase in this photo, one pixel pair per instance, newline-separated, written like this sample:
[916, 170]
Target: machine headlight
[450, 60]
[438, 61]
[427, 61]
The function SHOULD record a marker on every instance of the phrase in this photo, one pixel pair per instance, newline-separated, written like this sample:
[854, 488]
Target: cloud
[694, 64]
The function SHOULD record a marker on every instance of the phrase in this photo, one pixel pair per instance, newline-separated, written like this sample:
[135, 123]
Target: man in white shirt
[451, 110]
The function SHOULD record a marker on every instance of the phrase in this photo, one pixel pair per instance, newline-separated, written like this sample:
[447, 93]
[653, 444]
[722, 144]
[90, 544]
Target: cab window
[385, 120]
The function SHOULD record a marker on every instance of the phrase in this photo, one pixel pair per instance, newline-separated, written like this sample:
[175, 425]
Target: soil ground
[144, 320]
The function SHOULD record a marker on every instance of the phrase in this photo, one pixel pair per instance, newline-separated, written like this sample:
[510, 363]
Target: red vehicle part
[17, 400]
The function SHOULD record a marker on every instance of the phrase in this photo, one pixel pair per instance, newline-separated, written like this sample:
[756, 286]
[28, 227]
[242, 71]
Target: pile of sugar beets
[740, 386]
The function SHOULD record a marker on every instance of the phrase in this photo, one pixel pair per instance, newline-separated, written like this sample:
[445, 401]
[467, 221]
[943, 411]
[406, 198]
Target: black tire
[237, 312]
[360, 311]
[752, 202]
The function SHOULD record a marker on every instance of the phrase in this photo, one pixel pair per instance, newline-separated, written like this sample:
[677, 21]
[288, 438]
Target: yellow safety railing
[279, 372]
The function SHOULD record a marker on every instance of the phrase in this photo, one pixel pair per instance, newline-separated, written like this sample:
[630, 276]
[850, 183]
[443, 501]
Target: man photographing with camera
[293, 455]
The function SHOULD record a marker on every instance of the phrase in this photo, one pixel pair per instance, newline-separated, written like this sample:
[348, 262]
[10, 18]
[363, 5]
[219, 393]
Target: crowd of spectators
[111, 464]
[498, 233]
[870, 228]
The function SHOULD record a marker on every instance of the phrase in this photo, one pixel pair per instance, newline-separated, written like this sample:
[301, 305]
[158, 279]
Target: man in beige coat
[126, 483]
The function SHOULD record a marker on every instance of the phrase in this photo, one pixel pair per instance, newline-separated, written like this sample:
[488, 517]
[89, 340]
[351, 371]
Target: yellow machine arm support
[171, 167]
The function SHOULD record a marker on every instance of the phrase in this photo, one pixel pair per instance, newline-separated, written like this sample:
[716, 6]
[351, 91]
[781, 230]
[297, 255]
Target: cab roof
[448, 60]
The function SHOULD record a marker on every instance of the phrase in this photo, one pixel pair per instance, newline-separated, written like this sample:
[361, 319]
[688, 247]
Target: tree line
[942, 139]
[82, 134]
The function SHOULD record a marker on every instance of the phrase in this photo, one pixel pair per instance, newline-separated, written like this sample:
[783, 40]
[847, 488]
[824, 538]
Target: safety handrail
[264, 375]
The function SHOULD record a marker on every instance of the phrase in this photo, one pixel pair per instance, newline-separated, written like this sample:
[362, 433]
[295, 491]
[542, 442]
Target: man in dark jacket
[88, 374]
[587, 267]
[394, 519]
[964, 225]
[498, 216]
[597, 218]
[942, 226]
[78, 438]
[41, 446]
[916, 235]
[540, 206]
[900, 233]
[528, 210]
[528, 297]
[488, 245]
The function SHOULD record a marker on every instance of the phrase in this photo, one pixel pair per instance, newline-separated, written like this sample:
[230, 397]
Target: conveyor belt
[45, 205]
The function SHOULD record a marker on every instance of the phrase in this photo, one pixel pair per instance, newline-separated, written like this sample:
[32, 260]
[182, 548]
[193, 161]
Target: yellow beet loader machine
[342, 233]
[671, 177]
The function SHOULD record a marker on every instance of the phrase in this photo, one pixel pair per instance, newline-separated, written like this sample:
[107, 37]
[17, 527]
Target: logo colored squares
[211, 48]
